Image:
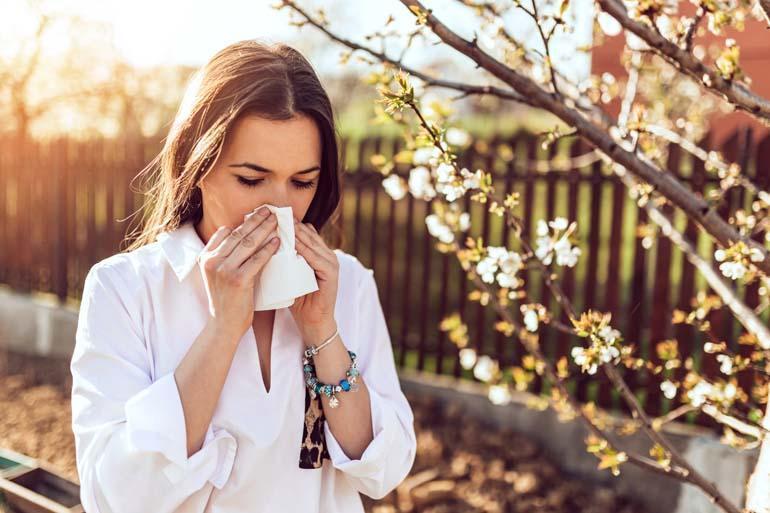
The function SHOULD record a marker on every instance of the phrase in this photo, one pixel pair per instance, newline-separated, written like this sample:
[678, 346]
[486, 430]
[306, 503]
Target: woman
[185, 399]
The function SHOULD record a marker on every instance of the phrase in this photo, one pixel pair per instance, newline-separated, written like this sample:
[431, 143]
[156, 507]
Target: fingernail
[263, 211]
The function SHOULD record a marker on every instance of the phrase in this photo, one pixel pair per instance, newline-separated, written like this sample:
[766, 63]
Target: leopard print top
[313, 447]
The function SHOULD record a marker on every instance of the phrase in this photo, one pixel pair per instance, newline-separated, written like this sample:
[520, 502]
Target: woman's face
[262, 161]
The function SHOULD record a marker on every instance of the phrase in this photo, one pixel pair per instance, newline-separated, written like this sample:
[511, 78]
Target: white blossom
[471, 180]
[608, 24]
[531, 320]
[669, 389]
[450, 192]
[726, 363]
[559, 223]
[445, 173]
[486, 268]
[510, 262]
[733, 270]
[499, 394]
[438, 229]
[501, 265]
[467, 358]
[464, 221]
[566, 254]
[485, 368]
[581, 357]
[426, 156]
[544, 249]
[730, 390]
[542, 228]
[394, 186]
[547, 245]
[609, 353]
[445, 183]
[609, 334]
[420, 183]
[507, 280]
[699, 393]
[496, 252]
[457, 137]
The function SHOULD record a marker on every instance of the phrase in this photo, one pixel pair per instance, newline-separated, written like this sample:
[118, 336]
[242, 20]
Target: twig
[665, 183]
[687, 472]
[684, 61]
[467, 89]
[692, 27]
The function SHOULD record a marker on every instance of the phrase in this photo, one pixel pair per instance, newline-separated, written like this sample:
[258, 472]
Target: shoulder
[125, 272]
[357, 286]
[352, 269]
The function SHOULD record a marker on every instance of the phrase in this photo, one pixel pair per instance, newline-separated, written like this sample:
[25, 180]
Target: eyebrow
[256, 167]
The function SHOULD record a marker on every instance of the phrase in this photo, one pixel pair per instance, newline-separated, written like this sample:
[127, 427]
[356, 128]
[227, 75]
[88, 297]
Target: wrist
[222, 332]
[316, 334]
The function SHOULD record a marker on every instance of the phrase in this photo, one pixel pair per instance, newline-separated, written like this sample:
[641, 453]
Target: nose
[279, 196]
[277, 204]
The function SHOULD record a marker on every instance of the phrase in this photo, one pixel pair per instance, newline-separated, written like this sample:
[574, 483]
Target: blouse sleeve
[130, 433]
[388, 458]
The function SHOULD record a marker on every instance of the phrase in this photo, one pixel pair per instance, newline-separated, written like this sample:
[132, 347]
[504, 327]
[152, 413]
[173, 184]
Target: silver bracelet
[313, 350]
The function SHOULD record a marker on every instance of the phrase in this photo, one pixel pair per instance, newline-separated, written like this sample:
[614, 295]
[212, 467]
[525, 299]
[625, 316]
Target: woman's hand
[314, 312]
[231, 262]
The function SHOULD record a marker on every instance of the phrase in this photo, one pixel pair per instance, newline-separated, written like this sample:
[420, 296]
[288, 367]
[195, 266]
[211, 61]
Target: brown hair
[273, 81]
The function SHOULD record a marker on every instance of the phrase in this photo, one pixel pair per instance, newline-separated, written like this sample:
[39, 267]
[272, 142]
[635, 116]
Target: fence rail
[60, 202]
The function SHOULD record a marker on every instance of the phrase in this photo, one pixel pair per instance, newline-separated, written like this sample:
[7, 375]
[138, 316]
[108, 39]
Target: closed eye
[299, 184]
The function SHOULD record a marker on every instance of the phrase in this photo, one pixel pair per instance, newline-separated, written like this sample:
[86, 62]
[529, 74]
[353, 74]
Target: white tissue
[287, 275]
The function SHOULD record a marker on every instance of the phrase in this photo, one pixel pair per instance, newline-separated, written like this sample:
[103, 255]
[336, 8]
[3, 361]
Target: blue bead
[308, 368]
[345, 385]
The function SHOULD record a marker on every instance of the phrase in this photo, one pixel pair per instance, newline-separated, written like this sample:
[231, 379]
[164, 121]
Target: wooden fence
[60, 201]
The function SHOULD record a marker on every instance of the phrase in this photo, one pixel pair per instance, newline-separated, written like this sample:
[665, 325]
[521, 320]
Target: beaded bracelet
[313, 350]
[348, 384]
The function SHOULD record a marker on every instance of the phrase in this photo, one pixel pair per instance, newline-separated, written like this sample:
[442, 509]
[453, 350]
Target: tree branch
[689, 473]
[684, 61]
[467, 89]
[666, 184]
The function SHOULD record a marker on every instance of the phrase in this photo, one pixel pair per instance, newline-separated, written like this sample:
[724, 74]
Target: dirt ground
[460, 466]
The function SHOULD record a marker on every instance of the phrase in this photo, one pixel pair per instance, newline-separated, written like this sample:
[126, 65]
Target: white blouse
[140, 313]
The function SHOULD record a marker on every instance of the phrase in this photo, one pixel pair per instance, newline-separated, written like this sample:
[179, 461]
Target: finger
[215, 240]
[319, 264]
[320, 240]
[252, 221]
[312, 246]
[314, 242]
[256, 261]
[251, 242]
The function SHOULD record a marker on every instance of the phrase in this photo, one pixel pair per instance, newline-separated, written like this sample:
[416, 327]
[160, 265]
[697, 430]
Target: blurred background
[88, 90]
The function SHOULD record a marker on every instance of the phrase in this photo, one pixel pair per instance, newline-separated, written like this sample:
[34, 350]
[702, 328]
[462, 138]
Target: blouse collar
[181, 248]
